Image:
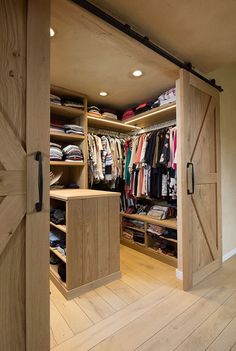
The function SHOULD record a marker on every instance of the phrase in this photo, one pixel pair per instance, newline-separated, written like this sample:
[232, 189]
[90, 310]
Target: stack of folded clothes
[138, 237]
[95, 110]
[74, 104]
[109, 114]
[56, 128]
[57, 240]
[156, 229]
[73, 129]
[128, 114]
[55, 99]
[72, 153]
[138, 209]
[128, 234]
[164, 247]
[133, 223]
[170, 234]
[158, 212]
[168, 97]
[58, 216]
[55, 152]
[165, 98]
[145, 106]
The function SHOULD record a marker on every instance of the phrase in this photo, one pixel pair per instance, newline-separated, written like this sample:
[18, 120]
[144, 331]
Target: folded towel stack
[55, 152]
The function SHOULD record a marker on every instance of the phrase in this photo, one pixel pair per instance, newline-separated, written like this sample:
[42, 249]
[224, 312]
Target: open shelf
[66, 137]
[154, 116]
[61, 227]
[109, 123]
[172, 261]
[133, 228]
[66, 112]
[163, 237]
[58, 254]
[56, 278]
[168, 223]
[64, 163]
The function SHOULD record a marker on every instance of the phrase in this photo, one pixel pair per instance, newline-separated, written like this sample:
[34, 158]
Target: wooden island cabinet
[92, 233]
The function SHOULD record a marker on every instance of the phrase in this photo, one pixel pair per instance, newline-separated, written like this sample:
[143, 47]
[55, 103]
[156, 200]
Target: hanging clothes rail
[107, 133]
[158, 126]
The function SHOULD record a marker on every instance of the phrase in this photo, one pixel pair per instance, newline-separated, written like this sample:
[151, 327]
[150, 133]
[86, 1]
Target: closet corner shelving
[154, 116]
[145, 248]
[76, 172]
[95, 121]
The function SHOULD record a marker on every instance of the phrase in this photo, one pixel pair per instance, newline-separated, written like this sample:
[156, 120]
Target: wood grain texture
[74, 243]
[12, 211]
[37, 139]
[114, 232]
[69, 194]
[164, 318]
[12, 183]
[90, 240]
[103, 237]
[12, 165]
[200, 228]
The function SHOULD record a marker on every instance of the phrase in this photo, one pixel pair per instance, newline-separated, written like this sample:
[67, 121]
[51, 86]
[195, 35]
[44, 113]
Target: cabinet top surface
[68, 194]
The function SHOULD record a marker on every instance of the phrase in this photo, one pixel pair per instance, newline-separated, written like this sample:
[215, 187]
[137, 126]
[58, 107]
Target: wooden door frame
[184, 230]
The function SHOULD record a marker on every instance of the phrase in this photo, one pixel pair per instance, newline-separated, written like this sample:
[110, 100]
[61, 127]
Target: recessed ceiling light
[103, 93]
[137, 73]
[52, 32]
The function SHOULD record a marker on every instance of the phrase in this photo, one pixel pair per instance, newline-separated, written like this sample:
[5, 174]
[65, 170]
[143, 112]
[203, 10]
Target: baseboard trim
[229, 254]
[179, 274]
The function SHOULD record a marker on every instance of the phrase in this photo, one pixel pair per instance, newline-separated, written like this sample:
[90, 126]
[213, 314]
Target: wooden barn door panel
[24, 125]
[200, 188]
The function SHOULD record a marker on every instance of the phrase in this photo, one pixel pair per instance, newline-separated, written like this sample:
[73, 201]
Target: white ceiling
[89, 56]
[200, 31]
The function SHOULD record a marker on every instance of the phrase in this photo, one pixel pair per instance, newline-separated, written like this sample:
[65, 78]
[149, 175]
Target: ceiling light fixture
[52, 32]
[137, 73]
[103, 93]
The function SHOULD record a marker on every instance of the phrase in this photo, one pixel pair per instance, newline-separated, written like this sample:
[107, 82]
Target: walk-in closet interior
[134, 157]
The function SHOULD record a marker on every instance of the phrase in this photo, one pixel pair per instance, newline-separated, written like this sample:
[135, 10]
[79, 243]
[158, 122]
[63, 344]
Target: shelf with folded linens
[154, 237]
[66, 137]
[96, 121]
[168, 223]
[154, 116]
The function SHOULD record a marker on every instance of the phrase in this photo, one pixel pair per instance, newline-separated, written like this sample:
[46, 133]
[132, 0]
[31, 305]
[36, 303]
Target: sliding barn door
[24, 145]
[199, 148]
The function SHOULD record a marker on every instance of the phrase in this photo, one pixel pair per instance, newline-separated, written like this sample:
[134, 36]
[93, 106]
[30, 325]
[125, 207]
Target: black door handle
[39, 158]
[190, 192]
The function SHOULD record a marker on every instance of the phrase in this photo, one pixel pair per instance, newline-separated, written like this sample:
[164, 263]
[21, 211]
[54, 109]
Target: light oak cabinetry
[92, 239]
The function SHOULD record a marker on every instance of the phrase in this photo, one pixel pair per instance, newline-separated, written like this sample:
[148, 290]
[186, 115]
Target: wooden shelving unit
[66, 112]
[58, 254]
[168, 223]
[154, 116]
[75, 172]
[145, 248]
[61, 227]
[66, 137]
[110, 124]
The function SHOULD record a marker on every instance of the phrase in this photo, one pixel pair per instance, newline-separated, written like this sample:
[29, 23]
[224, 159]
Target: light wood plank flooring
[146, 310]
